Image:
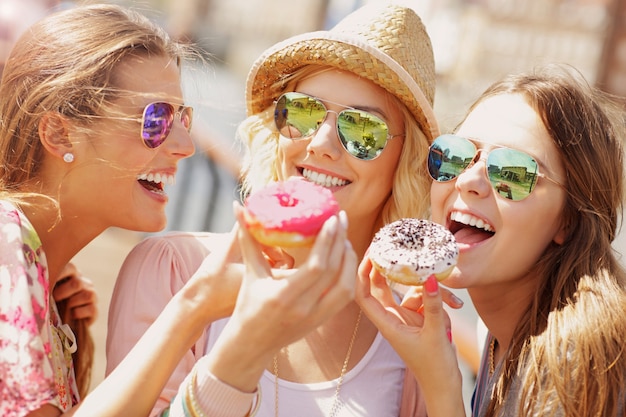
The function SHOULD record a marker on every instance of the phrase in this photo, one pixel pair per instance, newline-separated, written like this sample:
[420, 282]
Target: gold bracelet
[193, 409]
[190, 404]
[254, 408]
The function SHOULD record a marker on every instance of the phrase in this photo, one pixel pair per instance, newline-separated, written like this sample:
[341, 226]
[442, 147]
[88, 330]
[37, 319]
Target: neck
[502, 308]
[320, 355]
[61, 238]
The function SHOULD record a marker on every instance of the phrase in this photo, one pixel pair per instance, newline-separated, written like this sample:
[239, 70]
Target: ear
[54, 134]
[560, 235]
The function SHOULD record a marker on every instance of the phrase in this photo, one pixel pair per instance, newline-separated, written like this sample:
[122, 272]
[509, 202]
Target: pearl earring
[68, 157]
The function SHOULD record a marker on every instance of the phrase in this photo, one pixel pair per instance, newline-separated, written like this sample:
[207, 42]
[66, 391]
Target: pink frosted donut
[289, 213]
[408, 251]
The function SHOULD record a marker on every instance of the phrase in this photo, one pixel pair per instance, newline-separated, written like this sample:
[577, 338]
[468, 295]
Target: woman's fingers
[78, 293]
[329, 260]
[254, 259]
[413, 299]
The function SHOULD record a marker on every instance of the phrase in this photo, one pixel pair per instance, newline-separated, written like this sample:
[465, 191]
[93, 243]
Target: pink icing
[296, 206]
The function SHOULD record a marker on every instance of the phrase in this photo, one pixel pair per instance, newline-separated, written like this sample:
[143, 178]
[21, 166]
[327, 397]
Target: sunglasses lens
[298, 115]
[448, 156]
[361, 133]
[157, 123]
[186, 117]
[513, 174]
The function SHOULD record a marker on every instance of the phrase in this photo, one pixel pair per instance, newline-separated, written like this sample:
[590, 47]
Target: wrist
[237, 361]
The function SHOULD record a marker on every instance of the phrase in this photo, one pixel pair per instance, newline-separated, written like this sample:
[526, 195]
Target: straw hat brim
[342, 52]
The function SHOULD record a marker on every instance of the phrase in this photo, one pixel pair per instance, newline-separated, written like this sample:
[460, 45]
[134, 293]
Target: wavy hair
[568, 351]
[409, 195]
[66, 64]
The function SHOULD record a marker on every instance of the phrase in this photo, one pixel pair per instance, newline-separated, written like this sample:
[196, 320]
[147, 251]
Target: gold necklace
[335, 407]
[492, 353]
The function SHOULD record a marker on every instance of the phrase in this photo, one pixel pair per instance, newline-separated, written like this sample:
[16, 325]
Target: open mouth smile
[155, 182]
[470, 229]
[323, 179]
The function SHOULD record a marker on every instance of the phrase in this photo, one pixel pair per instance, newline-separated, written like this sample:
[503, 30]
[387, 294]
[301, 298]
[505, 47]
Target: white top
[358, 395]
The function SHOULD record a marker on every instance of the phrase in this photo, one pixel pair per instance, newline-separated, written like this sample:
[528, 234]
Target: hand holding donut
[272, 312]
[419, 331]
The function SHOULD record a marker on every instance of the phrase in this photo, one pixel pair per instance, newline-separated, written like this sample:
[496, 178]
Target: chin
[454, 280]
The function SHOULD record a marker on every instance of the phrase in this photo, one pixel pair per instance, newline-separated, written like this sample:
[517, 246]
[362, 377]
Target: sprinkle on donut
[289, 213]
[410, 250]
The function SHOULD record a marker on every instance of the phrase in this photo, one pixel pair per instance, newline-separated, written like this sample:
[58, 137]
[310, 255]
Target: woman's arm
[419, 330]
[270, 313]
[152, 273]
[134, 385]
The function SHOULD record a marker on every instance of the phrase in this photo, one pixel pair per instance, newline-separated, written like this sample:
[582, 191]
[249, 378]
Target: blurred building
[475, 41]
[612, 71]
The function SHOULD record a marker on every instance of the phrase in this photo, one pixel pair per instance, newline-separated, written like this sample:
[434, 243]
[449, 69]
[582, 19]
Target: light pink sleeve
[214, 397]
[413, 403]
[151, 274]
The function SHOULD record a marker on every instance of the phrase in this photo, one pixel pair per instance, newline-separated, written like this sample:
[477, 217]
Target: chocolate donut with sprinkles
[408, 251]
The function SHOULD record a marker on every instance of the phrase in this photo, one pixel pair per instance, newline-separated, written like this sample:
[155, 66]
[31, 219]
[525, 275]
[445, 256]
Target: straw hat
[382, 42]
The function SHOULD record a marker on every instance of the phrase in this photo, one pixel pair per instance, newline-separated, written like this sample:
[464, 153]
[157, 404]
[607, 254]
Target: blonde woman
[372, 74]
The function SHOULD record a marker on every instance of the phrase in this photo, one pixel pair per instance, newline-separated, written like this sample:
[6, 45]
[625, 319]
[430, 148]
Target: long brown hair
[568, 350]
[66, 64]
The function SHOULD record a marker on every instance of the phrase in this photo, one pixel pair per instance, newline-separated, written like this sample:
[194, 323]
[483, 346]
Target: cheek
[288, 153]
[439, 193]
[532, 231]
[289, 148]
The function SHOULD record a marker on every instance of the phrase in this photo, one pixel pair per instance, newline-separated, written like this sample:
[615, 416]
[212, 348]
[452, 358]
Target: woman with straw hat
[269, 357]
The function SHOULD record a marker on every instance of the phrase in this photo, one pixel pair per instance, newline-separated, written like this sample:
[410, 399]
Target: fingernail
[420, 310]
[343, 219]
[431, 285]
[457, 300]
[449, 334]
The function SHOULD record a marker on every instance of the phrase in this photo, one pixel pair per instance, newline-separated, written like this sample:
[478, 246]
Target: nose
[179, 143]
[473, 180]
[324, 142]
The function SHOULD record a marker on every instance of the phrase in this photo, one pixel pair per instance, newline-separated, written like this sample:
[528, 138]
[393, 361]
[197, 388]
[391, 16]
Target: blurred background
[475, 43]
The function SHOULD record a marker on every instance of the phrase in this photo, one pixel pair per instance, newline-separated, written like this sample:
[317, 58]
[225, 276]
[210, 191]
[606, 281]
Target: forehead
[508, 120]
[149, 78]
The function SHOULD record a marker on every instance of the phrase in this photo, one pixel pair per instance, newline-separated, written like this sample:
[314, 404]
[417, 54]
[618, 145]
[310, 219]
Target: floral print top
[35, 347]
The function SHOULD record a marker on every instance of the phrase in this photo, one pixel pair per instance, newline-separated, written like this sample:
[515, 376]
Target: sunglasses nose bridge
[325, 139]
[327, 120]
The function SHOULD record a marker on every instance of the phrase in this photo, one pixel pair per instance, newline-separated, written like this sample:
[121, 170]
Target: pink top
[156, 269]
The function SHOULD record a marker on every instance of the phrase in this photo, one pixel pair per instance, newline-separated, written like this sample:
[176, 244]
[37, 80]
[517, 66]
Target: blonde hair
[411, 185]
[568, 348]
[66, 64]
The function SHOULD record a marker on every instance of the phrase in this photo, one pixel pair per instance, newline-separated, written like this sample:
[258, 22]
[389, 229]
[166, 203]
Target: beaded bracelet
[191, 408]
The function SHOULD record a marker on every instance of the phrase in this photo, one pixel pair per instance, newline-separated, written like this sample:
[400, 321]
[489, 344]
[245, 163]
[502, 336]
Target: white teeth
[157, 178]
[322, 179]
[470, 220]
